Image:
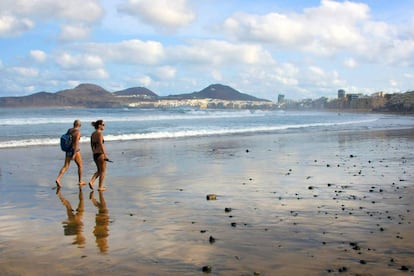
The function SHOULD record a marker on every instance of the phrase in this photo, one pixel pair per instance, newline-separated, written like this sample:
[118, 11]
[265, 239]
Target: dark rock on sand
[206, 269]
[211, 197]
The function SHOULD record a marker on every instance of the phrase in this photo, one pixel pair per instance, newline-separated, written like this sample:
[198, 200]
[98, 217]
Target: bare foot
[81, 183]
[101, 189]
[90, 185]
[58, 184]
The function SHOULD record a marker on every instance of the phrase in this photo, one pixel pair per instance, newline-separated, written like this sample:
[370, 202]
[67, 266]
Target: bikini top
[95, 144]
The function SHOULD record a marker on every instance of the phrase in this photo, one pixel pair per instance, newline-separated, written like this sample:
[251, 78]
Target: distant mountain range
[91, 95]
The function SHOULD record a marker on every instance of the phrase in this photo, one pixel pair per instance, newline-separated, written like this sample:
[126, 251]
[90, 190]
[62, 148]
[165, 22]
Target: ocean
[37, 127]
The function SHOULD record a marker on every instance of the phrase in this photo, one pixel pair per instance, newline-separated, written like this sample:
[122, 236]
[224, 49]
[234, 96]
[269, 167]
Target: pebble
[211, 197]
[206, 269]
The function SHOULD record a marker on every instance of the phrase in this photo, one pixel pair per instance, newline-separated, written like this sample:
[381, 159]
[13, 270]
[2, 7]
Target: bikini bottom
[96, 156]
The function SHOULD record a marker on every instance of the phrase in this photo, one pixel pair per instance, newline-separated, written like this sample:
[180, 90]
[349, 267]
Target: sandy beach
[317, 203]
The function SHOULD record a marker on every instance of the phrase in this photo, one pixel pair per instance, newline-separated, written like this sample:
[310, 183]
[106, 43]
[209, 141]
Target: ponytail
[97, 124]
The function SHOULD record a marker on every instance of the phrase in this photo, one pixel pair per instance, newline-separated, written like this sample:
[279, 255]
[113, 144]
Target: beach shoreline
[311, 203]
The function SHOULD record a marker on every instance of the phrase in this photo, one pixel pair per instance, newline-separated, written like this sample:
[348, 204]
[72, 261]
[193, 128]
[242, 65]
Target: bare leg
[78, 161]
[95, 175]
[102, 165]
[63, 170]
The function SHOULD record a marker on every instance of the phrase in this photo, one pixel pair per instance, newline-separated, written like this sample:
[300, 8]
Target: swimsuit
[96, 155]
[71, 153]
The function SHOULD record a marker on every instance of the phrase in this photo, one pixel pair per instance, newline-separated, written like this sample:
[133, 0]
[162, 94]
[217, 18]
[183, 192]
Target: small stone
[404, 268]
[211, 197]
[343, 269]
[363, 262]
[206, 269]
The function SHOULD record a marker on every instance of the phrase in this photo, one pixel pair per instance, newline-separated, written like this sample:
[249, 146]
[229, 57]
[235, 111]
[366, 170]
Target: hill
[91, 95]
[84, 95]
[137, 92]
[40, 99]
[217, 91]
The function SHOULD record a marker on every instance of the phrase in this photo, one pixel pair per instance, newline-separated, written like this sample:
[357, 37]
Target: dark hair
[97, 124]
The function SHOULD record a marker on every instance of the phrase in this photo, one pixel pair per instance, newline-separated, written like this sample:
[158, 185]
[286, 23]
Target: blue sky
[302, 49]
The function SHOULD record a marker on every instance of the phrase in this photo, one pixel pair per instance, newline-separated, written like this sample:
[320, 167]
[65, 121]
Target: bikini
[96, 155]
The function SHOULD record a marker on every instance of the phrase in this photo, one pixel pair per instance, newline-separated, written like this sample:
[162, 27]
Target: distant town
[215, 96]
[377, 102]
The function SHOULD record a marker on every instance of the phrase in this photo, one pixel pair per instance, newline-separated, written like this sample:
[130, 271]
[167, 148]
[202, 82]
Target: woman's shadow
[101, 230]
[73, 226]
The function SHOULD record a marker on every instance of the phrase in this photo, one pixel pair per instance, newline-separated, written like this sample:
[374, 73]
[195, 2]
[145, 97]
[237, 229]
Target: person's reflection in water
[73, 226]
[101, 230]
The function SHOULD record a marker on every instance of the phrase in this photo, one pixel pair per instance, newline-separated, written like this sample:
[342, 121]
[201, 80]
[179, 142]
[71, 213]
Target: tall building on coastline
[341, 93]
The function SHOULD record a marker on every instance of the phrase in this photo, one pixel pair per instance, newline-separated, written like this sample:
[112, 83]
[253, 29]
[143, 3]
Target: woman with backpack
[72, 153]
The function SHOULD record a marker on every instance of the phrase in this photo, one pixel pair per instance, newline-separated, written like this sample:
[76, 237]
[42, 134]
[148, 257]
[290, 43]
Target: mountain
[217, 91]
[40, 99]
[91, 95]
[137, 92]
[84, 95]
[86, 91]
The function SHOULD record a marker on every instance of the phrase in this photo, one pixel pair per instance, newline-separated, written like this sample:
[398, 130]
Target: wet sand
[286, 204]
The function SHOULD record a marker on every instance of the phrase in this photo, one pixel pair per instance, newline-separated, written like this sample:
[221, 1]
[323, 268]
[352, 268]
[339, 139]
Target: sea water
[44, 126]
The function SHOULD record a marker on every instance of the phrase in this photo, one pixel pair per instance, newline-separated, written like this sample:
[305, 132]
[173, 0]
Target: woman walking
[99, 154]
[72, 154]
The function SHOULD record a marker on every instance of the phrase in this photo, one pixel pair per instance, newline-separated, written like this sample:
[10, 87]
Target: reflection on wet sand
[73, 226]
[101, 230]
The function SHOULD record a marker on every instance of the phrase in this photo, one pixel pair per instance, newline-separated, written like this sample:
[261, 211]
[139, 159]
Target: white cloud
[329, 29]
[129, 51]
[145, 81]
[74, 62]
[14, 26]
[270, 28]
[393, 83]
[164, 15]
[74, 32]
[351, 63]
[216, 75]
[18, 16]
[26, 72]
[74, 10]
[166, 72]
[38, 55]
[333, 25]
[217, 52]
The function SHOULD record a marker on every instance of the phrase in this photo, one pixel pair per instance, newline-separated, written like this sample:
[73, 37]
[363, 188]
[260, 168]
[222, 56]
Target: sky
[301, 49]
